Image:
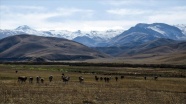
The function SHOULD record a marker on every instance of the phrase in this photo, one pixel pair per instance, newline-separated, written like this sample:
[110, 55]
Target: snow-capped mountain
[135, 35]
[95, 35]
[142, 33]
[24, 28]
[162, 30]
[6, 33]
[182, 27]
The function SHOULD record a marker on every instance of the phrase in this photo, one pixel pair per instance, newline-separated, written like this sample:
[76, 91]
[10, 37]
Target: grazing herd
[66, 79]
[106, 79]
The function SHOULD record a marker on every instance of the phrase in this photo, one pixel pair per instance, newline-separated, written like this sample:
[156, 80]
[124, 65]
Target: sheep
[22, 79]
[42, 80]
[30, 79]
[65, 78]
[96, 78]
[116, 79]
[50, 78]
[81, 79]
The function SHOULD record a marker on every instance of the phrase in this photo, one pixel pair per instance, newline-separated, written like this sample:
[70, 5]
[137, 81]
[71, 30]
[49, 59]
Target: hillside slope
[30, 47]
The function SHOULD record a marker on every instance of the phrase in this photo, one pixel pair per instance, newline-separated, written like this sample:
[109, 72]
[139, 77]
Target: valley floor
[170, 58]
[133, 89]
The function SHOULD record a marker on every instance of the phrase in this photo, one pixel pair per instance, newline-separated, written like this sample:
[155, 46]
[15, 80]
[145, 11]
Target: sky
[89, 15]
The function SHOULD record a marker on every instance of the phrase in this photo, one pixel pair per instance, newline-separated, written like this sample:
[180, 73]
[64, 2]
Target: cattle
[31, 80]
[81, 79]
[145, 77]
[116, 78]
[101, 78]
[96, 78]
[16, 71]
[107, 79]
[38, 79]
[22, 79]
[122, 77]
[155, 77]
[42, 80]
[65, 78]
[50, 78]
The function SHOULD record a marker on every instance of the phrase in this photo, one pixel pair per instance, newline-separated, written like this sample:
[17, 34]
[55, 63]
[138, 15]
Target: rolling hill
[37, 48]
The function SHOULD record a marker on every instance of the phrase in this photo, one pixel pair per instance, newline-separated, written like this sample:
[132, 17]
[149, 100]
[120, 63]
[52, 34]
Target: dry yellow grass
[177, 58]
[130, 90]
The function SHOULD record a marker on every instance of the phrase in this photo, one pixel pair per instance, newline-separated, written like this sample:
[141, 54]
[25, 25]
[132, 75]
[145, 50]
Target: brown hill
[37, 48]
[158, 51]
[159, 46]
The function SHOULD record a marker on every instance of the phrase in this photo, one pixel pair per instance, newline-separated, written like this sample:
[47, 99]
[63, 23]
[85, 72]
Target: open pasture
[169, 88]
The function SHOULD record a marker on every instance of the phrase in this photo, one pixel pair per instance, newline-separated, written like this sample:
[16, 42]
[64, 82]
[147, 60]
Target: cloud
[96, 18]
[170, 15]
[21, 9]
[122, 2]
[123, 12]
[141, 3]
[174, 15]
[36, 16]
[89, 25]
[71, 11]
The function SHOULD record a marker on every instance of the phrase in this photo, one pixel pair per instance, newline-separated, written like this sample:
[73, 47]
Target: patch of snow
[62, 33]
[155, 28]
[182, 27]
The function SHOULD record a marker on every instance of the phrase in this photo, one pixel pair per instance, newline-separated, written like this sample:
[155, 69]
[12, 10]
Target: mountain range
[142, 40]
[97, 36]
[142, 31]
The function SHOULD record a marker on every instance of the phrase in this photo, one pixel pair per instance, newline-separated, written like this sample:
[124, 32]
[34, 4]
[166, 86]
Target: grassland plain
[170, 88]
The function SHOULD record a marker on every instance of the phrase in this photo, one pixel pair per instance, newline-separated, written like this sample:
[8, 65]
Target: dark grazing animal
[38, 79]
[65, 78]
[101, 78]
[50, 78]
[22, 79]
[156, 77]
[122, 77]
[81, 79]
[42, 80]
[107, 79]
[31, 80]
[96, 78]
[116, 78]
[145, 77]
